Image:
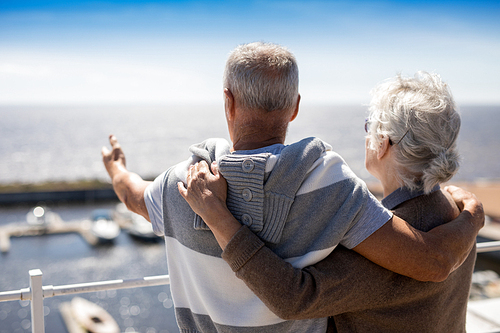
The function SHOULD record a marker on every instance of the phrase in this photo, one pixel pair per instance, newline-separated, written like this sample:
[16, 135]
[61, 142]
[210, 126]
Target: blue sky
[120, 52]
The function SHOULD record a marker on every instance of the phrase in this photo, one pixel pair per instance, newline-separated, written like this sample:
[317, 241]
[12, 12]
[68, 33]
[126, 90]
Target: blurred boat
[81, 316]
[135, 225]
[104, 228]
[142, 229]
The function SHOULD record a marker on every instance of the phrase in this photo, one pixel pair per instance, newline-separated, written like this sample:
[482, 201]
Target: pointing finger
[114, 142]
[105, 151]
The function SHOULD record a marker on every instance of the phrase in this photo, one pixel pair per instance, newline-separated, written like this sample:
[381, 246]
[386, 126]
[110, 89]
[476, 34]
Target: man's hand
[467, 201]
[114, 160]
[427, 256]
[128, 186]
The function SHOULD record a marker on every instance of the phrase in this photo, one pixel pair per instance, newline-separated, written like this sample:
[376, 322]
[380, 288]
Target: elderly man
[301, 199]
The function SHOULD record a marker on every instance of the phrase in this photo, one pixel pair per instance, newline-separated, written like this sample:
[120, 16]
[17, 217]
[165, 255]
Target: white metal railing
[488, 247]
[36, 292]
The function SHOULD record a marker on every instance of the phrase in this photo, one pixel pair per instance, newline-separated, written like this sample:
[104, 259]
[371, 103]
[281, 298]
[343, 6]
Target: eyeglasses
[367, 124]
[367, 127]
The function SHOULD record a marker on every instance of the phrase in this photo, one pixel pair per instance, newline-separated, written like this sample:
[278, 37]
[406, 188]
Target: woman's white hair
[262, 76]
[419, 117]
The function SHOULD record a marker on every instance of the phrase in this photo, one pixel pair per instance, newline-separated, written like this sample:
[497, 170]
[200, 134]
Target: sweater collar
[274, 149]
[401, 195]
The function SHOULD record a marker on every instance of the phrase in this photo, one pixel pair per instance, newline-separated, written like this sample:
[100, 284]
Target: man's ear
[229, 103]
[383, 148]
[296, 111]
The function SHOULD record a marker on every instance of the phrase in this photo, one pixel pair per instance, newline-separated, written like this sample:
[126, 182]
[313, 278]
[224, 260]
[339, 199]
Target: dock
[54, 225]
[42, 221]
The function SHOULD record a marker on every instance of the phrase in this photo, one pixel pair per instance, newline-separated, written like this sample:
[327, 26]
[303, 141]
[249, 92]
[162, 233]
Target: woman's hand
[204, 191]
[206, 195]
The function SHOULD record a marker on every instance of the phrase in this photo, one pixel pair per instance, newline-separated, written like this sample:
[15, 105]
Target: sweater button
[247, 165]
[246, 219]
[247, 194]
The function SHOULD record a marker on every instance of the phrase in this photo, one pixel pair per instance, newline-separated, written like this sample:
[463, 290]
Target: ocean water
[64, 143]
[68, 259]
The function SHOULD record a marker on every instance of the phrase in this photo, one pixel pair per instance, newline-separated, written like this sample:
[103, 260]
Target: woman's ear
[383, 148]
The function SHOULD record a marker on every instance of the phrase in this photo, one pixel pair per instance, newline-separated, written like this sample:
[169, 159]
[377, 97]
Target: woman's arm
[425, 256]
[324, 289]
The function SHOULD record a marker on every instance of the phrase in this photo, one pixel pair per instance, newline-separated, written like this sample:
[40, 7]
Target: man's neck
[256, 144]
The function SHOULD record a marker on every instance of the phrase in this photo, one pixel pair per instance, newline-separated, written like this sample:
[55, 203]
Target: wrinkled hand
[467, 201]
[114, 160]
[205, 192]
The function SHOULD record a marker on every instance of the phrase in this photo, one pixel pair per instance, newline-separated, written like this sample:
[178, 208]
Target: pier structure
[53, 224]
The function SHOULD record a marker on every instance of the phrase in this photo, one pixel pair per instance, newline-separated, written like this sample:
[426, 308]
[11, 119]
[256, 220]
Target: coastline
[81, 191]
[88, 191]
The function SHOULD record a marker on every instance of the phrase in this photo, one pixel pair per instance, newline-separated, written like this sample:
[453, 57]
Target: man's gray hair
[262, 76]
[419, 117]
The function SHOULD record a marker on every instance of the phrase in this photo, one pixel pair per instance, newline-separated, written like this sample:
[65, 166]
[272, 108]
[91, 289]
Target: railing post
[37, 320]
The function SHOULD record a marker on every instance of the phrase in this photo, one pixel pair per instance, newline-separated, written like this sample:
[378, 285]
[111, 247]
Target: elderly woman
[411, 148]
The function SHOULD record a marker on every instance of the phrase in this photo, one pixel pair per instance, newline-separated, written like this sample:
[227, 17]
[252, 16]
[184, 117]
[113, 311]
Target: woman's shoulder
[429, 210]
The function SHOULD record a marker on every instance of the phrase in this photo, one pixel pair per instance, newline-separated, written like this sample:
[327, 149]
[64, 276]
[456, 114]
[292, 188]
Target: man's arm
[425, 256]
[129, 187]
[428, 256]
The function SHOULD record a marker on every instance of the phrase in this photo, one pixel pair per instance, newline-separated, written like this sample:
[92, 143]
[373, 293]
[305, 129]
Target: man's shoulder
[211, 149]
[331, 168]
[307, 144]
